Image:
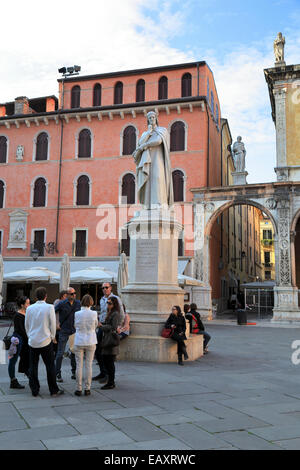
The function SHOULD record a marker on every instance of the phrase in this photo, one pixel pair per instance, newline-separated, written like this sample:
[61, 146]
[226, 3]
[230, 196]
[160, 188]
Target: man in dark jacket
[66, 310]
[198, 327]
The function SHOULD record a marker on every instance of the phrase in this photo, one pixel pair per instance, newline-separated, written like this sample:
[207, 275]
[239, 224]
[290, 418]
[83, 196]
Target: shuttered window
[80, 243]
[97, 95]
[84, 144]
[39, 193]
[186, 85]
[128, 189]
[163, 88]
[129, 140]
[3, 149]
[178, 185]
[177, 137]
[39, 241]
[75, 96]
[125, 242]
[42, 147]
[140, 90]
[118, 94]
[1, 194]
[83, 191]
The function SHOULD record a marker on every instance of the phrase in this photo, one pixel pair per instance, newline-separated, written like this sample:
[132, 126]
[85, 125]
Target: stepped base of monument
[140, 348]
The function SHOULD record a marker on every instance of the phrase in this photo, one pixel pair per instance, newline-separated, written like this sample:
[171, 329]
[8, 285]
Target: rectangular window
[39, 241]
[267, 234]
[267, 275]
[80, 245]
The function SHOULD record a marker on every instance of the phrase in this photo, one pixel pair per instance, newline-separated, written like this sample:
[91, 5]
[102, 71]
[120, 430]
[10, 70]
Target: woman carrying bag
[176, 321]
[111, 340]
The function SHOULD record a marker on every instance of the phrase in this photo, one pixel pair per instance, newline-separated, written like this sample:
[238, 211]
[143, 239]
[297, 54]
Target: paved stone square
[244, 394]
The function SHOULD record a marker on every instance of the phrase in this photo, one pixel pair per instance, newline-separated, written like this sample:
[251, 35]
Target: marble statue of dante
[279, 48]
[153, 165]
[239, 153]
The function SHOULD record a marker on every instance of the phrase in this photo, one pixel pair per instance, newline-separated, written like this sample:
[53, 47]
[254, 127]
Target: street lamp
[68, 71]
[35, 254]
[243, 255]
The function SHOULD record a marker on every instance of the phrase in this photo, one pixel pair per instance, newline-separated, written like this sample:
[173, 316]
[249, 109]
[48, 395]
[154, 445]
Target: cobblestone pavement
[244, 394]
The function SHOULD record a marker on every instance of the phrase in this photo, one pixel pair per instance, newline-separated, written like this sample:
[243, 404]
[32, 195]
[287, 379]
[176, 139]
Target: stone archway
[275, 200]
[295, 251]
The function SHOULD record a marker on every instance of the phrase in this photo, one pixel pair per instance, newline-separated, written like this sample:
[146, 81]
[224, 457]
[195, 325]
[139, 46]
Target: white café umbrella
[93, 275]
[64, 281]
[122, 273]
[38, 273]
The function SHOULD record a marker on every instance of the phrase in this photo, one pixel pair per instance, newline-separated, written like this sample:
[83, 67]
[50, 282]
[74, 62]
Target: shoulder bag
[167, 332]
[110, 339]
[7, 338]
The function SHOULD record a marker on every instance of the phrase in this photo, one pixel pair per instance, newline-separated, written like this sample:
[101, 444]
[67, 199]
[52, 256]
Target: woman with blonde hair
[86, 322]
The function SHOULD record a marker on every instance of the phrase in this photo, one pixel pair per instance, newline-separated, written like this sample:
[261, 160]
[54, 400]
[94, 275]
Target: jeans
[109, 362]
[14, 359]
[61, 346]
[89, 352]
[48, 358]
[181, 349]
[206, 338]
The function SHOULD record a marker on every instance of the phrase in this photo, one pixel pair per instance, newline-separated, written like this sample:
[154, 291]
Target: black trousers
[109, 363]
[98, 353]
[180, 343]
[48, 359]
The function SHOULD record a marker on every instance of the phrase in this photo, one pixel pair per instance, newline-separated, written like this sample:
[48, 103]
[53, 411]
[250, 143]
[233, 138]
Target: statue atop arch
[153, 165]
[239, 153]
[278, 45]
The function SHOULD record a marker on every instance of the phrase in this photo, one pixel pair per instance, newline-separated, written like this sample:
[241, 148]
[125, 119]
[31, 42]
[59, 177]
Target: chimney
[22, 105]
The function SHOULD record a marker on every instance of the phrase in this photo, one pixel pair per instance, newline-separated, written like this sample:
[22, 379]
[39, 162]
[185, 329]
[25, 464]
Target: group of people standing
[177, 323]
[44, 330]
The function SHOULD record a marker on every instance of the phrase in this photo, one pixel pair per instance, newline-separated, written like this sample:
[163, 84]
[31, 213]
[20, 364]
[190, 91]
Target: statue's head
[279, 35]
[152, 118]
[239, 138]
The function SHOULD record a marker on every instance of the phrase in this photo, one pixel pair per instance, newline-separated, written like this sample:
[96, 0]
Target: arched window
[140, 90]
[3, 149]
[84, 144]
[129, 140]
[39, 193]
[163, 88]
[83, 191]
[128, 189]
[212, 103]
[118, 95]
[42, 146]
[217, 113]
[75, 96]
[97, 95]
[177, 136]
[178, 185]
[186, 85]
[2, 189]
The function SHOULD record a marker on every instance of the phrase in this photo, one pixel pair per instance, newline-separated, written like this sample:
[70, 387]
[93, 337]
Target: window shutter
[80, 243]
[177, 136]
[129, 140]
[83, 191]
[75, 96]
[163, 88]
[140, 90]
[125, 243]
[118, 95]
[178, 183]
[1, 195]
[97, 95]
[84, 150]
[42, 147]
[186, 85]
[39, 241]
[3, 149]
[39, 197]
[128, 188]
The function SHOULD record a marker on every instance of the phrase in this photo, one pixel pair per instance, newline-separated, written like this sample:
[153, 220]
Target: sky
[235, 38]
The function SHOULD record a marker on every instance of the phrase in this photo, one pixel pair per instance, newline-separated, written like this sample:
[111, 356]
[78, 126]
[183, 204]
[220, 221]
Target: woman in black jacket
[22, 347]
[177, 321]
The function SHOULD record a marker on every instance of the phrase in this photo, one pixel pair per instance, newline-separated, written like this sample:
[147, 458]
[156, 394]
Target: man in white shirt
[40, 325]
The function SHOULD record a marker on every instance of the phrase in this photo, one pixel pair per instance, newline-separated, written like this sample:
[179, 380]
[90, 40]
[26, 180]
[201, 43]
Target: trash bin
[241, 317]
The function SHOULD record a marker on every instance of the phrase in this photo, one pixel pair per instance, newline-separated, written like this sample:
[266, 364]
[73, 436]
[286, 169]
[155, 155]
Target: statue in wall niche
[20, 152]
[279, 48]
[153, 165]
[239, 153]
[19, 233]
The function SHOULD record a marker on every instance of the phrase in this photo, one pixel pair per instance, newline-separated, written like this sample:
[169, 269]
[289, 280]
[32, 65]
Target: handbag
[110, 339]
[167, 332]
[7, 338]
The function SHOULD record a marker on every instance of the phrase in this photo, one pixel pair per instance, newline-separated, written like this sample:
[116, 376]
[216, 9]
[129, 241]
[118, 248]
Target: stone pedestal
[239, 177]
[286, 304]
[153, 286]
[202, 298]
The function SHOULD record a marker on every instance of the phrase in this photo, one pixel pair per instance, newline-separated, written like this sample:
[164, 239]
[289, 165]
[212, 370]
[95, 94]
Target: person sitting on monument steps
[125, 328]
[177, 321]
[187, 314]
[109, 353]
[198, 327]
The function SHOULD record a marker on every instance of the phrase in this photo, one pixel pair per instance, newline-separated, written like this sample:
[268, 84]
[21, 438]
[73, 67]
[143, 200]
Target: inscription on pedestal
[146, 261]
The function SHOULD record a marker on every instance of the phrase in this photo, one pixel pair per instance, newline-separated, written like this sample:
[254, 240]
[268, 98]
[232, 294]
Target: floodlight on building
[68, 71]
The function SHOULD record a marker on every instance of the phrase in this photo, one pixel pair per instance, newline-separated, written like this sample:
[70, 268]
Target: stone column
[280, 105]
[285, 295]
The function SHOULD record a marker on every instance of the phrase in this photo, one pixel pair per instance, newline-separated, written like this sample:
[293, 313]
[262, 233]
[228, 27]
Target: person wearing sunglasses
[107, 294]
[66, 310]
